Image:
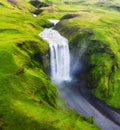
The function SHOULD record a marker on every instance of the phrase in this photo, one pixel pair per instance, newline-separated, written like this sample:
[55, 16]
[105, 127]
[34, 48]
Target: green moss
[28, 99]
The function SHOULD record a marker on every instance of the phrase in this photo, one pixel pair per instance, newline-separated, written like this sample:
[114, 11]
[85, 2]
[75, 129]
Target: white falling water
[59, 55]
[54, 21]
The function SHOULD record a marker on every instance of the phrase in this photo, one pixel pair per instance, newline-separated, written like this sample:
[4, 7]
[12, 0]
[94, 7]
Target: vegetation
[28, 100]
[97, 28]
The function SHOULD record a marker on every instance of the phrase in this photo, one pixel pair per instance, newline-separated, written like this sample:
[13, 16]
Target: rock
[38, 4]
[69, 16]
[38, 11]
[48, 25]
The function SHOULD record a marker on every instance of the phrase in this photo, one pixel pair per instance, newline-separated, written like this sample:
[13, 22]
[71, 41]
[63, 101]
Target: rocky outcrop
[37, 12]
[38, 4]
[69, 16]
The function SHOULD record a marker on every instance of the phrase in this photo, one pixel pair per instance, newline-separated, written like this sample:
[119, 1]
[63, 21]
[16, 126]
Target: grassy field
[28, 100]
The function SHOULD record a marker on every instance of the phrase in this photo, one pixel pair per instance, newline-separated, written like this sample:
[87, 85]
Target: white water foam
[54, 21]
[59, 55]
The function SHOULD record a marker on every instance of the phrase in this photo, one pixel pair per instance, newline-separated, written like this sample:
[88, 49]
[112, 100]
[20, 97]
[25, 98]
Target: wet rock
[48, 25]
[37, 12]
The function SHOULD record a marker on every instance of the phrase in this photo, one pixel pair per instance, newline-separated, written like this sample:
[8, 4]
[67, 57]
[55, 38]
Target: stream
[75, 95]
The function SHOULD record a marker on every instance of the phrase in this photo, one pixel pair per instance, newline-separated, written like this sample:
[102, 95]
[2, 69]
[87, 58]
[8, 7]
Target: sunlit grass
[28, 99]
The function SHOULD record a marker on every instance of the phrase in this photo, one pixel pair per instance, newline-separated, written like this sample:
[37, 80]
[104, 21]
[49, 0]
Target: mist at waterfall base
[78, 67]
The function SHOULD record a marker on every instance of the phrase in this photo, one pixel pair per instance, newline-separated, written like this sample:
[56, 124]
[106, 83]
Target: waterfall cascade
[59, 55]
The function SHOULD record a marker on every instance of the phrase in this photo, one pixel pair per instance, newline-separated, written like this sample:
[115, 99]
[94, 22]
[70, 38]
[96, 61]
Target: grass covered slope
[98, 29]
[28, 100]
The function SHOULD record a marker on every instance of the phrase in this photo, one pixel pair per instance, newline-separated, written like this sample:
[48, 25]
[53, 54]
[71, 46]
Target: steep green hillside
[97, 28]
[28, 100]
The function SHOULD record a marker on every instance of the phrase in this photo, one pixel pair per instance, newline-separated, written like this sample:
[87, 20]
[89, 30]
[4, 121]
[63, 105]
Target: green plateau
[28, 99]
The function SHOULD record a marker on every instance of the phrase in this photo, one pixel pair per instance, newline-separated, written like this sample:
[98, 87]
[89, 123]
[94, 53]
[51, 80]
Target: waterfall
[59, 55]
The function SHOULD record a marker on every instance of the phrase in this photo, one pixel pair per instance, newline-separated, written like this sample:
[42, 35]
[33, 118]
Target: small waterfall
[59, 55]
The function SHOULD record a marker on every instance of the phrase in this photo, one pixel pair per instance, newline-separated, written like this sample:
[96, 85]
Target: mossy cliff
[28, 99]
[98, 32]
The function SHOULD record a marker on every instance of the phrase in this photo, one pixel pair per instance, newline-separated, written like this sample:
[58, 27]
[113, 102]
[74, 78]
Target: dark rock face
[38, 4]
[69, 16]
[46, 62]
[37, 57]
[48, 25]
[38, 11]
